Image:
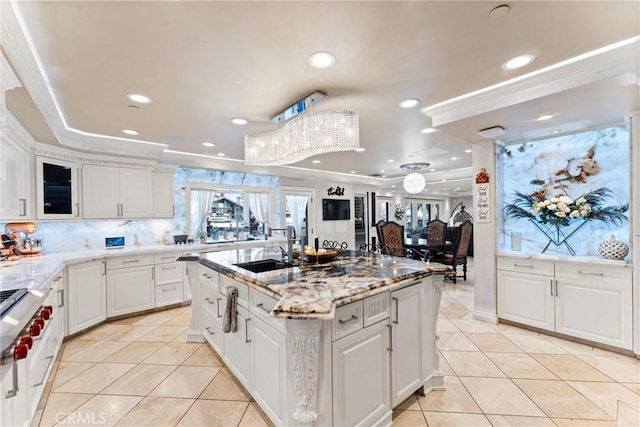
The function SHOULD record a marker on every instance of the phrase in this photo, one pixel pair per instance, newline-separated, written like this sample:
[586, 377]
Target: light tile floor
[140, 371]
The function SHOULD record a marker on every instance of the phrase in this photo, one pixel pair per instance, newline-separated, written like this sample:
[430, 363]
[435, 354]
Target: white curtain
[259, 205]
[201, 201]
[297, 209]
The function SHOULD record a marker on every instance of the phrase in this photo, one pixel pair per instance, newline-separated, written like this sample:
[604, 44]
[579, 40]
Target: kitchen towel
[230, 319]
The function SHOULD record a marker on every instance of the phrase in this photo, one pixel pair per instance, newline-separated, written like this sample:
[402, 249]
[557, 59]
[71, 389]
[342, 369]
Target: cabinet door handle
[129, 261]
[261, 306]
[218, 307]
[44, 374]
[397, 321]
[390, 348]
[61, 298]
[169, 268]
[523, 265]
[24, 207]
[208, 330]
[353, 317]
[246, 331]
[14, 391]
[207, 299]
[551, 282]
[556, 288]
[588, 273]
[174, 210]
[104, 268]
[77, 209]
[153, 274]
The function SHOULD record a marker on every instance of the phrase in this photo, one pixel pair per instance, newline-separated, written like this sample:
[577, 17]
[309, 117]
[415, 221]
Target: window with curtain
[297, 214]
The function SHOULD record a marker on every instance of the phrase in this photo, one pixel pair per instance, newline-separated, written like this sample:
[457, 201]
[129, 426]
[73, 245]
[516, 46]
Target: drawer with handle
[261, 305]
[129, 261]
[524, 265]
[592, 271]
[163, 258]
[169, 273]
[243, 290]
[348, 319]
[169, 294]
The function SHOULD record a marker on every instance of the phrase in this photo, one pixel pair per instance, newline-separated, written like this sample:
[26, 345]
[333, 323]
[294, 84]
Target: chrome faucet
[291, 239]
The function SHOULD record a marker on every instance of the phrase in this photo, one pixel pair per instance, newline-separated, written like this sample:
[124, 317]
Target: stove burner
[9, 298]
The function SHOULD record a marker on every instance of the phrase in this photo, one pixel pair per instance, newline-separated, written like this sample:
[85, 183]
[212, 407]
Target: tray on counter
[325, 257]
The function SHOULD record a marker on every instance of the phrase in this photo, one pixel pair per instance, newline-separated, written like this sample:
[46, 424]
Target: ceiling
[204, 63]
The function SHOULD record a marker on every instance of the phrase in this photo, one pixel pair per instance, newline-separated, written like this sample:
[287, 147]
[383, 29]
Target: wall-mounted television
[334, 209]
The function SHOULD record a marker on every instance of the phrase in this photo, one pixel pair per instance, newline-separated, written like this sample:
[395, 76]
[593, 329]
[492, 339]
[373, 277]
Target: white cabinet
[526, 298]
[86, 293]
[113, 192]
[361, 376]
[15, 182]
[15, 410]
[406, 339]
[130, 285]
[587, 300]
[169, 279]
[237, 350]
[56, 189]
[268, 367]
[163, 195]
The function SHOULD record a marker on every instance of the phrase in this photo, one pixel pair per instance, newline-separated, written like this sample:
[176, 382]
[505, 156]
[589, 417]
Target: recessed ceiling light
[432, 170]
[390, 161]
[315, 161]
[458, 189]
[131, 131]
[136, 97]
[208, 144]
[545, 117]
[220, 154]
[555, 131]
[322, 60]
[518, 61]
[499, 11]
[352, 172]
[360, 149]
[444, 180]
[468, 150]
[239, 121]
[393, 186]
[409, 103]
[454, 158]
[381, 170]
[428, 130]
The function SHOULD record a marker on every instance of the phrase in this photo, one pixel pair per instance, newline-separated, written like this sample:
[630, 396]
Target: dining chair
[459, 254]
[436, 232]
[391, 236]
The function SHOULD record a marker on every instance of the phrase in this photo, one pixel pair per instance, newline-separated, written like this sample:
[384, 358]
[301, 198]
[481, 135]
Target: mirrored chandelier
[414, 182]
[306, 134]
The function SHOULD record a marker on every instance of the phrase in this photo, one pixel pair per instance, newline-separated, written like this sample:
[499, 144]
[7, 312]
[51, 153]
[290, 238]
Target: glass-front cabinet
[57, 189]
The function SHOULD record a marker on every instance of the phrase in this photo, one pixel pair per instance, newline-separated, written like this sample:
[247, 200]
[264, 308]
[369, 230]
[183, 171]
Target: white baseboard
[485, 317]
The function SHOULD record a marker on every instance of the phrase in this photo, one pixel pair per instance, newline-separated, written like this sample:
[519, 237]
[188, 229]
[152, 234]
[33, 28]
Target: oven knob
[34, 330]
[45, 314]
[27, 340]
[49, 308]
[39, 322]
[20, 351]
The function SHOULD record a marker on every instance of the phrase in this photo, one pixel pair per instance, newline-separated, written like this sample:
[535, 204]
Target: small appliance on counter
[17, 240]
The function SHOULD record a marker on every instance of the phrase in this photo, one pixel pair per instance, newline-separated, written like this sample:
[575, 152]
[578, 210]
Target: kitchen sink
[263, 265]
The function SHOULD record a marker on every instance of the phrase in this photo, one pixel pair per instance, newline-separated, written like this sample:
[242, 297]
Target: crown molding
[17, 134]
[17, 46]
[8, 78]
[605, 65]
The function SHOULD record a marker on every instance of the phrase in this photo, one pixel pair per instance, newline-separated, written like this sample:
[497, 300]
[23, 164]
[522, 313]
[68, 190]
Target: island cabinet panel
[406, 339]
[361, 380]
[268, 367]
[237, 348]
[86, 295]
[243, 290]
[584, 299]
[212, 331]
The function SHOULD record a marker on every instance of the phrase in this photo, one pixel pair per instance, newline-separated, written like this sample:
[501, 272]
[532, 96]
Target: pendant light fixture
[414, 182]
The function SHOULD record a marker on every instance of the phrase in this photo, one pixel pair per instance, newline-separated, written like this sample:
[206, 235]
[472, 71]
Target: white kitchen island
[340, 343]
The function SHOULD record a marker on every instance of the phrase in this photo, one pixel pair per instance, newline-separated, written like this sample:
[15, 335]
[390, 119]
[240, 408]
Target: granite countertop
[313, 291]
[35, 272]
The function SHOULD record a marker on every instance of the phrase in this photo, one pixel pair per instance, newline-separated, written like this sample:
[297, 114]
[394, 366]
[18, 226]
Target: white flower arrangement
[399, 213]
[560, 209]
